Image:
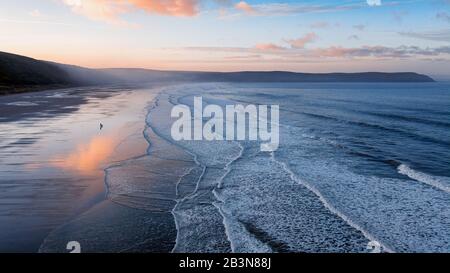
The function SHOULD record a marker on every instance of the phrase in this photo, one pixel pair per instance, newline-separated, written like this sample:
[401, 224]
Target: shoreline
[121, 207]
[120, 214]
[73, 112]
[189, 197]
[20, 90]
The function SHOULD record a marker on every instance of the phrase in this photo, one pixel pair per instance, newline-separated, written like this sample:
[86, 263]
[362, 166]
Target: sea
[358, 165]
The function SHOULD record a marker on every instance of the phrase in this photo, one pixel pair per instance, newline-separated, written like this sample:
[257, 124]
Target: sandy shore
[127, 221]
[53, 155]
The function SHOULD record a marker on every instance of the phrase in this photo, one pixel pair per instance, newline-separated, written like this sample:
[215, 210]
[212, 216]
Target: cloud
[353, 37]
[244, 6]
[224, 2]
[441, 36]
[374, 3]
[35, 13]
[400, 52]
[269, 47]
[283, 9]
[168, 7]
[244, 57]
[320, 24]
[302, 41]
[111, 10]
[337, 52]
[360, 27]
[370, 51]
[101, 10]
[443, 16]
[399, 15]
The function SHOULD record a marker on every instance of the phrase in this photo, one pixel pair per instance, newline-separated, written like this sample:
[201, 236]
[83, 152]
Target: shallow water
[356, 163]
[53, 155]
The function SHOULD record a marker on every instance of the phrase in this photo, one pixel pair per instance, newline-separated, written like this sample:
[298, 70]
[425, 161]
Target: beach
[53, 155]
[344, 176]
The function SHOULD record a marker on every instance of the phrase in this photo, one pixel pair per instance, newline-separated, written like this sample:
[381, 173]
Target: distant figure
[101, 126]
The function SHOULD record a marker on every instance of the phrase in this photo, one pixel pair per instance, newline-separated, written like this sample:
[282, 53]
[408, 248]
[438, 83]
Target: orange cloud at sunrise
[244, 6]
[168, 7]
[302, 41]
[228, 35]
[268, 47]
[111, 10]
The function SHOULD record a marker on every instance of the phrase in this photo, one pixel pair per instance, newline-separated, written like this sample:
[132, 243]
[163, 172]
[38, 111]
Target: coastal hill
[19, 70]
[20, 74]
[142, 75]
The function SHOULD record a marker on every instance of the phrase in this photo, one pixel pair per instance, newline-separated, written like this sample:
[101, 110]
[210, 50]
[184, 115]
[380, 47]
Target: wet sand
[137, 214]
[53, 155]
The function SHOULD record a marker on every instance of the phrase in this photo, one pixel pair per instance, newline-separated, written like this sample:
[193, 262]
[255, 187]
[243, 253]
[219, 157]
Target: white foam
[434, 181]
[195, 215]
[373, 205]
[376, 204]
[22, 103]
[331, 208]
[219, 204]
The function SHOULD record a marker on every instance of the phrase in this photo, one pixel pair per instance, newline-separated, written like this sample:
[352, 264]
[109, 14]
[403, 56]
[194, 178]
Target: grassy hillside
[19, 73]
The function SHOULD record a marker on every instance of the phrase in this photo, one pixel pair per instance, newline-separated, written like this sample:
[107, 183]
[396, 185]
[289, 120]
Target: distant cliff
[142, 75]
[20, 74]
[280, 76]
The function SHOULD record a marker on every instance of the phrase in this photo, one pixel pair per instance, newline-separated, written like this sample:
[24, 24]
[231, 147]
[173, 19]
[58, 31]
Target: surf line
[220, 201]
[430, 180]
[190, 126]
[330, 207]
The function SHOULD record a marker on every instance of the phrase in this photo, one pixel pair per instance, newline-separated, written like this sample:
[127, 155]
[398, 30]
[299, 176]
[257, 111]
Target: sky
[230, 35]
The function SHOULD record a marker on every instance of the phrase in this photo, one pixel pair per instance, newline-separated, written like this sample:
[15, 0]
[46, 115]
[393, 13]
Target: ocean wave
[330, 207]
[439, 182]
[265, 210]
[373, 126]
[253, 205]
[421, 121]
[22, 103]
[369, 125]
[198, 221]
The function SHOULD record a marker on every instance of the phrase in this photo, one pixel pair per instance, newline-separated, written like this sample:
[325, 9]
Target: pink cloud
[111, 10]
[101, 10]
[244, 6]
[168, 7]
[302, 41]
[268, 47]
[333, 52]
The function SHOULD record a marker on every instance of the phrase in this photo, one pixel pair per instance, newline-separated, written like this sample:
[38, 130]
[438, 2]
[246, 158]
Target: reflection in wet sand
[52, 158]
[88, 157]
